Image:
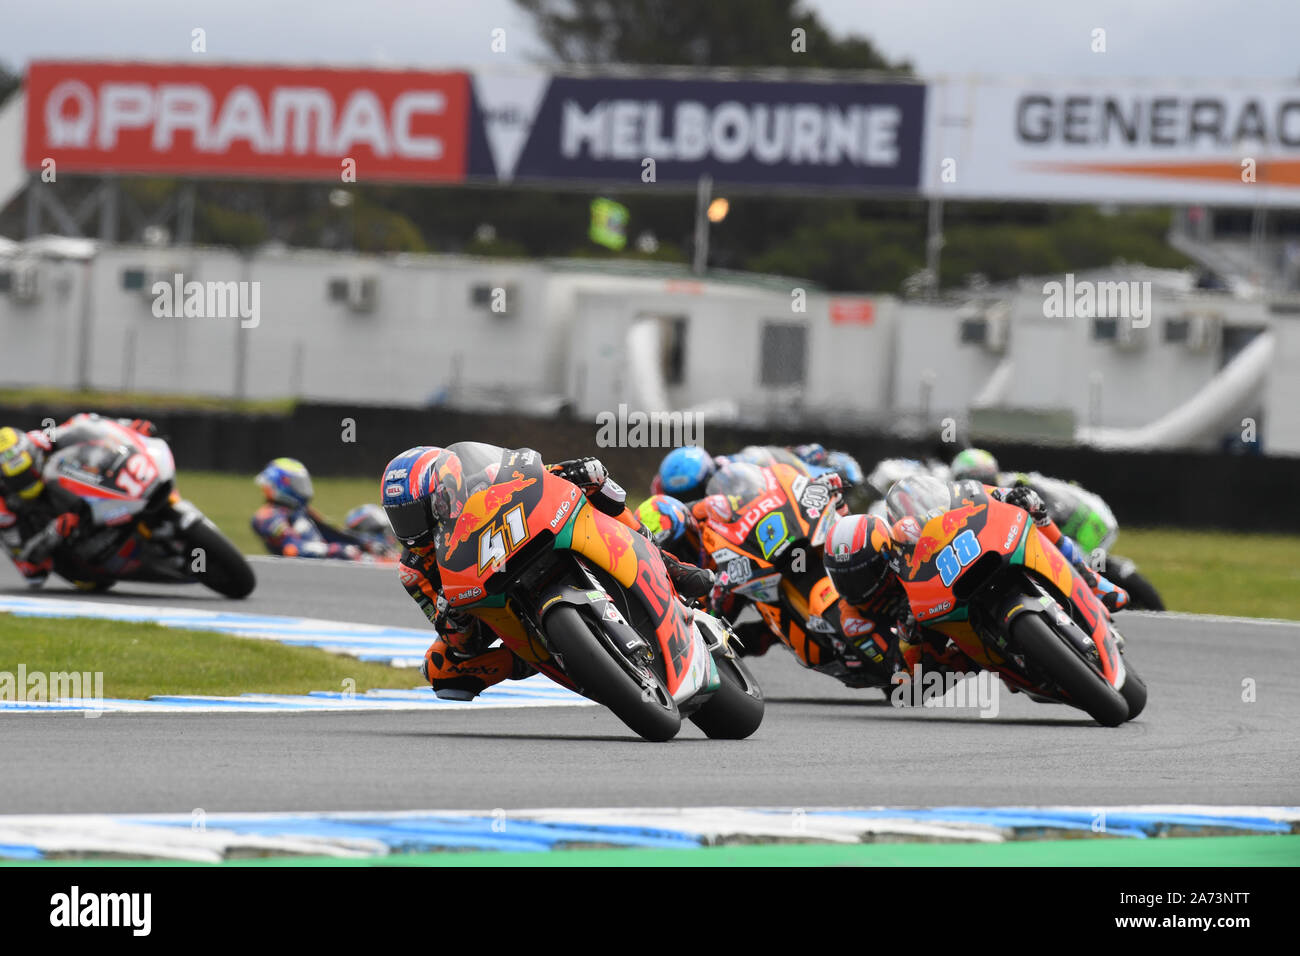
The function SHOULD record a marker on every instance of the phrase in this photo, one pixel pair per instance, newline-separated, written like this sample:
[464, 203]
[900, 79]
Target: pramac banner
[247, 121]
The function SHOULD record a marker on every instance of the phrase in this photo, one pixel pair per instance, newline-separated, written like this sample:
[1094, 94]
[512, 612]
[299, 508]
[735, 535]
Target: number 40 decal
[964, 549]
[496, 543]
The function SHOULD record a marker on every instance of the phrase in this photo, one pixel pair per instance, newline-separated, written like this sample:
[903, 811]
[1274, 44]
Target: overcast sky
[1237, 38]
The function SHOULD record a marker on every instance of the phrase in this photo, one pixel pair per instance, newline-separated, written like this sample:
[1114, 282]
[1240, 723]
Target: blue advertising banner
[799, 135]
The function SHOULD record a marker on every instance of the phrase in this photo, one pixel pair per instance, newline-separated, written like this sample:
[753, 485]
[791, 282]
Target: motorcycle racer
[369, 523]
[289, 526]
[873, 601]
[36, 518]
[684, 472]
[418, 490]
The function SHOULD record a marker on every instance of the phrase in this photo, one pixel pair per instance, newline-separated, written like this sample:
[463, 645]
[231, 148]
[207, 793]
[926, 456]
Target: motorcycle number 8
[964, 549]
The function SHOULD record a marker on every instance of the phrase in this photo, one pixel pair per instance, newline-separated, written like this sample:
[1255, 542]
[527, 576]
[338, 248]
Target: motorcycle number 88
[964, 549]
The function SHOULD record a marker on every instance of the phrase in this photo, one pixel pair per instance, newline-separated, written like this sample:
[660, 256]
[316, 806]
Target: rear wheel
[634, 693]
[224, 569]
[1085, 687]
[1142, 594]
[736, 708]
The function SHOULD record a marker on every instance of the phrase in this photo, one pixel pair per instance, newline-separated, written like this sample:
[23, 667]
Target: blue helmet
[367, 519]
[405, 492]
[846, 465]
[285, 481]
[685, 471]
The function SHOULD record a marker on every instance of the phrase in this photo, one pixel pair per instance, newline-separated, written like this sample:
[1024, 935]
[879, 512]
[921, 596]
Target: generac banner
[247, 121]
[1218, 143]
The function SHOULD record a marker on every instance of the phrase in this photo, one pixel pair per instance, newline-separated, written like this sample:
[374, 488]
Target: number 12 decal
[964, 549]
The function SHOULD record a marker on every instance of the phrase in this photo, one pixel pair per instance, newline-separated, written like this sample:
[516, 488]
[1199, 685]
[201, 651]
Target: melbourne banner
[248, 121]
[801, 135]
[1098, 141]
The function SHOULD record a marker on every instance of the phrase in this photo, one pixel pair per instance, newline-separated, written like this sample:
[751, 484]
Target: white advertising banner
[1226, 143]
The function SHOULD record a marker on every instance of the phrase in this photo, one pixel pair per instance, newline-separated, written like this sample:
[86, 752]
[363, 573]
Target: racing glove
[1022, 496]
[143, 426]
[591, 475]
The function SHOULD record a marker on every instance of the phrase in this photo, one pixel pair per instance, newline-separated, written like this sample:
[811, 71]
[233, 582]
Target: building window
[784, 354]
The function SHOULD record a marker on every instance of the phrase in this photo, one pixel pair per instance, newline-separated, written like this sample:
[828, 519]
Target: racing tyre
[633, 692]
[225, 569]
[736, 708]
[1134, 691]
[1141, 593]
[1085, 687]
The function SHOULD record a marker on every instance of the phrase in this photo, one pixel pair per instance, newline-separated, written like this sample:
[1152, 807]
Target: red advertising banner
[853, 310]
[237, 121]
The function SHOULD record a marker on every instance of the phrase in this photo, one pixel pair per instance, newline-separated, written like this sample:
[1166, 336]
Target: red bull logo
[926, 548]
[614, 541]
[956, 519]
[482, 507]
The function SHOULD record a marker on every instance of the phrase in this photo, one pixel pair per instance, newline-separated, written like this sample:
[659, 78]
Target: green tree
[9, 82]
[753, 33]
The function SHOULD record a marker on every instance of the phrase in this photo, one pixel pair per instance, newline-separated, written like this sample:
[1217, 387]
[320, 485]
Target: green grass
[230, 500]
[1219, 572]
[142, 402]
[141, 660]
[1203, 851]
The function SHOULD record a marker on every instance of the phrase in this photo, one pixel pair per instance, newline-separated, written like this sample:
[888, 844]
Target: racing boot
[1112, 596]
[457, 666]
[690, 581]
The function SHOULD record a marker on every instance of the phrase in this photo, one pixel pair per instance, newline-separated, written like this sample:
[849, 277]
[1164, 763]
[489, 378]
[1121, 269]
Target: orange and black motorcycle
[978, 570]
[764, 529]
[586, 600]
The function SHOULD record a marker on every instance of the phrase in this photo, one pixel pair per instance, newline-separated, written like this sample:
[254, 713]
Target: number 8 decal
[964, 549]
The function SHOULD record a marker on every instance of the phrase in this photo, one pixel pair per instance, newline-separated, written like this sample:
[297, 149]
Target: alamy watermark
[1085, 299]
[932, 688]
[637, 429]
[48, 687]
[208, 300]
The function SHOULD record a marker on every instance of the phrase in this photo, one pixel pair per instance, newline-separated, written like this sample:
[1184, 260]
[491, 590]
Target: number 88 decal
[964, 549]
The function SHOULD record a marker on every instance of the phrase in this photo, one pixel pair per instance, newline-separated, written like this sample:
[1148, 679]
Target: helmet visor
[411, 522]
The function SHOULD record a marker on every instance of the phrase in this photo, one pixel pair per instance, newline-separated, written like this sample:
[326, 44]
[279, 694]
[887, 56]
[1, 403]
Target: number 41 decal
[964, 549]
[496, 543]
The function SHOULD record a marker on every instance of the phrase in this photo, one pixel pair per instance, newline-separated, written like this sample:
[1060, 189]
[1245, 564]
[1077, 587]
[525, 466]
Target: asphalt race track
[820, 745]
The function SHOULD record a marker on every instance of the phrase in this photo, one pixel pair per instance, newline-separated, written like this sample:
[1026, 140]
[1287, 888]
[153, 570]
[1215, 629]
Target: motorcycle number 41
[497, 542]
[964, 549]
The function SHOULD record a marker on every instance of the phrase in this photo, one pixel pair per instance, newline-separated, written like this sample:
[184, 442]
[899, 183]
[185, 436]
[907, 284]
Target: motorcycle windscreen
[918, 496]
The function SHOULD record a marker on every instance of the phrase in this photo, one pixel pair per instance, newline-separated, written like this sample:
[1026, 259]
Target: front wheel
[1134, 691]
[634, 694]
[1085, 687]
[218, 563]
[736, 708]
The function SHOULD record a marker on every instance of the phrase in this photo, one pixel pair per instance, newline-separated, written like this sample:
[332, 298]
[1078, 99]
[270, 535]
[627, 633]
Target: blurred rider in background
[369, 523]
[36, 518]
[290, 527]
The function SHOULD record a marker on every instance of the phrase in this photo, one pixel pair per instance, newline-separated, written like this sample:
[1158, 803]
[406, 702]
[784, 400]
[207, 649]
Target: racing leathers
[303, 533]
